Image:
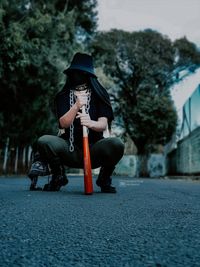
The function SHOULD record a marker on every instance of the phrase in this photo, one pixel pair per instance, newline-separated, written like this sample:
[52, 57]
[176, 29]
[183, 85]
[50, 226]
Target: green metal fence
[191, 114]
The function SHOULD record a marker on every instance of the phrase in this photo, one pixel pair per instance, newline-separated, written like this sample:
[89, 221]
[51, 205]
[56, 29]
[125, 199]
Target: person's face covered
[77, 77]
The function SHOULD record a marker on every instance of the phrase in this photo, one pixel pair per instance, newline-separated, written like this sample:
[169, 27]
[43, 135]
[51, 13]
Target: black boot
[58, 179]
[38, 168]
[104, 179]
[56, 182]
[33, 186]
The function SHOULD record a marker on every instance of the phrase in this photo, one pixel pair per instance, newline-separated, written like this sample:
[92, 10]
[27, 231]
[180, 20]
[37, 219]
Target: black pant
[106, 152]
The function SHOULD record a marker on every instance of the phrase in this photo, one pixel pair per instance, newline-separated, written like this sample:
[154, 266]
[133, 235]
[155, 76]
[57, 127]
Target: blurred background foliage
[38, 39]
[144, 65]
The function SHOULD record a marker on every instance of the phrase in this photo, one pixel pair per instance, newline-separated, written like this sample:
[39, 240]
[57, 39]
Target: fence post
[6, 156]
[29, 154]
[16, 160]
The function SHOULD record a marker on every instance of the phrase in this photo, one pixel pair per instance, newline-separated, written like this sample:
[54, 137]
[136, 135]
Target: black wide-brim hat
[81, 62]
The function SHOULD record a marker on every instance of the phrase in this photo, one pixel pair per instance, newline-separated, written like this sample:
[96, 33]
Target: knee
[44, 140]
[118, 146]
[115, 147]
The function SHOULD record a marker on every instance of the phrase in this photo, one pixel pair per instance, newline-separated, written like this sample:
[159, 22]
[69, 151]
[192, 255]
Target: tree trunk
[142, 165]
[29, 155]
[6, 156]
[16, 160]
[24, 157]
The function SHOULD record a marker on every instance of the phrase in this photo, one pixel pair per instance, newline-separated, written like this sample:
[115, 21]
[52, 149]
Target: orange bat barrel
[87, 168]
[87, 162]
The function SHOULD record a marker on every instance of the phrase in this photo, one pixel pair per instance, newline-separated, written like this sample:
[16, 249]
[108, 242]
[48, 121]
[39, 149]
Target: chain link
[71, 128]
[87, 107]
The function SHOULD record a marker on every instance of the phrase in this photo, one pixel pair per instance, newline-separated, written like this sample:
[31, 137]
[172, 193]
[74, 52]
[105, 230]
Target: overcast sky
[175, 18]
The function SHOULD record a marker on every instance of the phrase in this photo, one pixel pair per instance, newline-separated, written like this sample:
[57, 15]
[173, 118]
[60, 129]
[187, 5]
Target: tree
[142, 64]
[86, 19]
[37, 40]
[187, 53]
[28, 51]
[85, 15]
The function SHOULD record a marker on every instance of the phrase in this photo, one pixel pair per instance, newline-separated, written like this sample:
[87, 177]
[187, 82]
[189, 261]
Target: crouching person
[67, 149]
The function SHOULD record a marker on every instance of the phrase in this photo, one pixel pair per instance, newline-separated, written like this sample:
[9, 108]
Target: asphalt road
[147, 223]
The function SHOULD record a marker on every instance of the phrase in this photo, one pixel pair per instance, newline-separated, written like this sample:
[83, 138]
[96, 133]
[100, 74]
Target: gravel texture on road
[147, 223]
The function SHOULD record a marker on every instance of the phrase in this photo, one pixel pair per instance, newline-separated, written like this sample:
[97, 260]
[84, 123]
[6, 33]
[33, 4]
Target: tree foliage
[142, 65]
[37, 41]
[186, 52]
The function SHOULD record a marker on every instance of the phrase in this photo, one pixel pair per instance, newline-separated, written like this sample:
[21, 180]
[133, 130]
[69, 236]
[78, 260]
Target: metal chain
[87, 107]
[71, 128]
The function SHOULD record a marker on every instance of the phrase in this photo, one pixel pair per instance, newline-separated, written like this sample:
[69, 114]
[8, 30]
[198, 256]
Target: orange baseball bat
[87, 162]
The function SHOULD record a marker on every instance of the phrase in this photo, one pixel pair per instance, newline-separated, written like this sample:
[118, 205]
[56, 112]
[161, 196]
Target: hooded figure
[66, 149]
[80, 71]
[83, 63]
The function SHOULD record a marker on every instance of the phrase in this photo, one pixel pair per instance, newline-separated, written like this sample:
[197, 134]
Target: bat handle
[85, 132]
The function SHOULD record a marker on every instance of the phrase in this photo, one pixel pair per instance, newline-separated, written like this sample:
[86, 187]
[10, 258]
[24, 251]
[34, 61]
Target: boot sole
[109, 191]
[47, 187]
